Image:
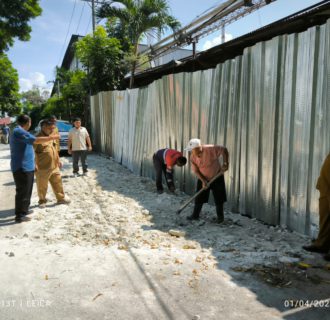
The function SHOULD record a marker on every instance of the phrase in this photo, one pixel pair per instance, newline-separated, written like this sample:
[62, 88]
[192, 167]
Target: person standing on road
[206, 165]
[23, 164]
[322, 243]
[79, 143]
[48, 166]
[5, 133]
[164, 160]
[53, 119]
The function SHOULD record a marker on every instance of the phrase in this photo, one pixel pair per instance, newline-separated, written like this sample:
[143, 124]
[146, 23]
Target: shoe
[42, 205]
[85, 173]
[29, 212]
[192, 217]
[160, 191]
[22, 219]
[327, 257]
[76, 174]
[220, 220]
[313, 248]
[196, 212]
[64, 201]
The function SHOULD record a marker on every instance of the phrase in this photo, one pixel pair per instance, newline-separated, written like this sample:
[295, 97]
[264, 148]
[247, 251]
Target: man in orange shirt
[164, 161]
[206, 165]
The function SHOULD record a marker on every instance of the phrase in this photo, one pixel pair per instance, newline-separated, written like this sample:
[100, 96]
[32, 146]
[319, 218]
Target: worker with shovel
[206, 165]
[164, 160]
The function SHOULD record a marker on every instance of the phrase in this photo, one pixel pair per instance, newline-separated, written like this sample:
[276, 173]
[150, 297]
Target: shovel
[199, 192]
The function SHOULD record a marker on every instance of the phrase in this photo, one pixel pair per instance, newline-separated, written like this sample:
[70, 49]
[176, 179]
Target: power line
[89, 22]
[67, 33]
[81, 13]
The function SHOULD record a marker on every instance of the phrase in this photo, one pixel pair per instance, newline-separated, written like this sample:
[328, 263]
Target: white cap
[192, 144]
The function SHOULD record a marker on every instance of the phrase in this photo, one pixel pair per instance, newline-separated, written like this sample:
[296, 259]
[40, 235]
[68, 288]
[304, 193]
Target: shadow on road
[267, 283]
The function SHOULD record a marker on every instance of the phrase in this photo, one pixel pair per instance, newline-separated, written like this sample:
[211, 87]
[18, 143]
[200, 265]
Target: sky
[36, 59]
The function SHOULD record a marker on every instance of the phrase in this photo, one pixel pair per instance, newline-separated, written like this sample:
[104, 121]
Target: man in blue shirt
[5, 132]
[23, 165]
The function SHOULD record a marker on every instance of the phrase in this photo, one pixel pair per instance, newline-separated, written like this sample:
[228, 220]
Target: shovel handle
[199, 192]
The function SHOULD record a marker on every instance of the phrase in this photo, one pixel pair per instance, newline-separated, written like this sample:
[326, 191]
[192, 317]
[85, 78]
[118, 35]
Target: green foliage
[33, 102]
[137, 18]
[9, 96]
[73, 95]
[101, 57]
[14, 18]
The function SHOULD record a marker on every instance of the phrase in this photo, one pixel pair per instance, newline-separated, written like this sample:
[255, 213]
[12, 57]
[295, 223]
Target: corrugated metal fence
[270, 107]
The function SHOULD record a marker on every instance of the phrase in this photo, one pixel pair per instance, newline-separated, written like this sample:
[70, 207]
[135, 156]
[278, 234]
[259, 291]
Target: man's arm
[69, 144]
[40, 140]
[225, 155]
[199, 175]
[89, 143]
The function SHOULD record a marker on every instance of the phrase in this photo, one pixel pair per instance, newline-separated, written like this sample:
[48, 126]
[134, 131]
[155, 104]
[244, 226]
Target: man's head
[52, 119]
[24, 121]
[77, 122]
[195, 146]
[47, 127]
[181, 161]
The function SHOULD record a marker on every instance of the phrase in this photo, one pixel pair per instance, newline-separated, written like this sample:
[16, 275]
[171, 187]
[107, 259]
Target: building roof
[4, 121]
[297, 22]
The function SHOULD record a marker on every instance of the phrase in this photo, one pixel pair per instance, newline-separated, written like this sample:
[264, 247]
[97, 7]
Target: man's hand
[60, 164]
[89, 148]
[204, 184]
[69, 151]
[225, 166]
[54, 136]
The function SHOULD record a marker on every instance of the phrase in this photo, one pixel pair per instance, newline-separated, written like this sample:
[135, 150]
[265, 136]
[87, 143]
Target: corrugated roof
[297, 22]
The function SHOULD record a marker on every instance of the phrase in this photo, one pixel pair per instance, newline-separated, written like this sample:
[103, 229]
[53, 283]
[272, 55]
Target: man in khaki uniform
[48, 167]
[322, 243]
[53, 120]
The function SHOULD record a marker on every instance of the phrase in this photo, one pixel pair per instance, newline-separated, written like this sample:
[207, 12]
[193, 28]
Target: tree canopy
[9, 95]
[138, 18]
[14, 18]
[101, 57]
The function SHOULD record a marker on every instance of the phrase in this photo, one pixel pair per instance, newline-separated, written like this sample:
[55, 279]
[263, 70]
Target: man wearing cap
[206, 165]
[48, 166]
[164, 161]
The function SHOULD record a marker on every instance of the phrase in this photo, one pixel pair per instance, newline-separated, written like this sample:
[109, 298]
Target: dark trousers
[24, 185]
[218, 188]
[160, 168]
[82, 155]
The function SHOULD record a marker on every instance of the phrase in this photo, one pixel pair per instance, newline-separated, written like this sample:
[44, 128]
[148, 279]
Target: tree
[34, 102]
[139, 18]
[72, 101]
[14, 18]
[101, 57]
[9, 96]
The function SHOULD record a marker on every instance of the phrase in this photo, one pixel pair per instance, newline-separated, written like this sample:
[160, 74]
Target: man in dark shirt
[23, 165]
[164, 161]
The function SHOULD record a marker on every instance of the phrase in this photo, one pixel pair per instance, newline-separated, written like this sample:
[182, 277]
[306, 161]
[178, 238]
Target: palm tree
[139, 18]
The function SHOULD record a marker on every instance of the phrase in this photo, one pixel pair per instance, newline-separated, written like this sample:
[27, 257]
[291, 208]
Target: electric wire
[67, 33]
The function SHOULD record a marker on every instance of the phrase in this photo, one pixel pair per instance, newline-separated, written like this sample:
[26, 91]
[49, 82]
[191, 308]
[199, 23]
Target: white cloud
[216, 41]
[35, 79]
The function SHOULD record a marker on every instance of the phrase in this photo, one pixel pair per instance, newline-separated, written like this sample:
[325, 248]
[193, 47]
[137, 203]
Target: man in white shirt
[79, 143]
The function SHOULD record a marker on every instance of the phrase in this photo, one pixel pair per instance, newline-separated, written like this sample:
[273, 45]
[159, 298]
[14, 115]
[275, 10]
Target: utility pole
[93, 15]
[93, 4]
